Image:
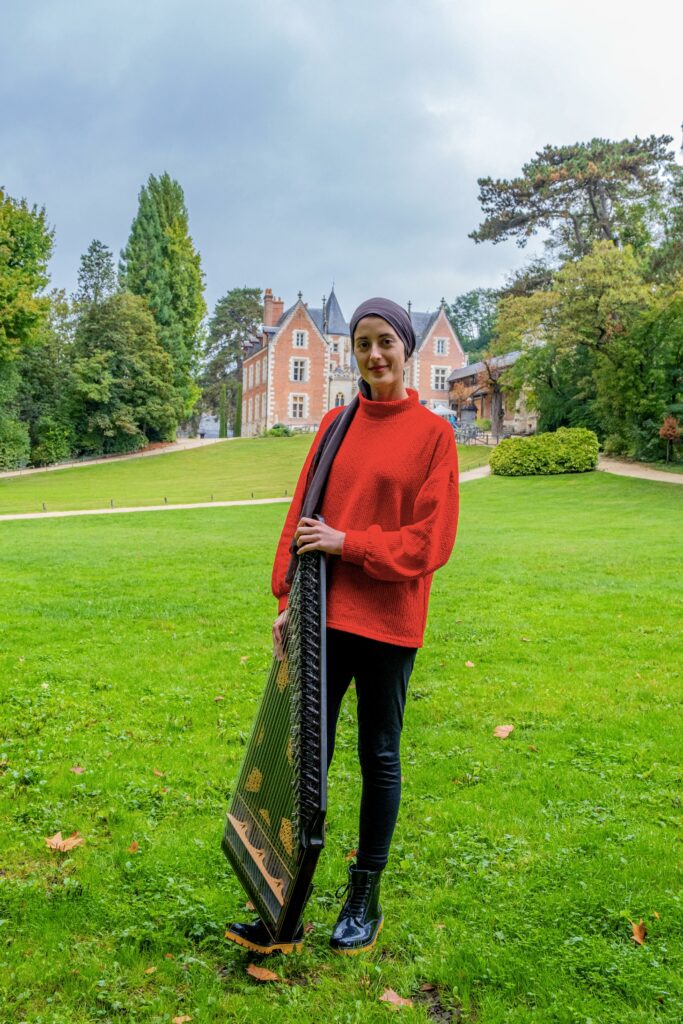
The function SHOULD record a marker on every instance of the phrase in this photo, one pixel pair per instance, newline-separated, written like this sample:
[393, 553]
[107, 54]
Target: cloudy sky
[319, 140]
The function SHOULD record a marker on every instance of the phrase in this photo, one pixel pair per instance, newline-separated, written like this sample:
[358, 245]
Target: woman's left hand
[312, 535]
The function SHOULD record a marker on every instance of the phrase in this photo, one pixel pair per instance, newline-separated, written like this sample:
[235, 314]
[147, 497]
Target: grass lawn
[265, 467]
[516, 864]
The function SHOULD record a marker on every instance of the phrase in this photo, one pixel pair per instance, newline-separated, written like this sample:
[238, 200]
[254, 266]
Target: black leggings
[381, 672]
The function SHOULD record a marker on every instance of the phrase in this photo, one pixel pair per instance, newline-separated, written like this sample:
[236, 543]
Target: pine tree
[223, 412]
[96, 274]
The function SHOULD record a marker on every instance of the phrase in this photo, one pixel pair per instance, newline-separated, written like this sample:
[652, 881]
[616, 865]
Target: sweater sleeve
[423, 545]
[282, 555]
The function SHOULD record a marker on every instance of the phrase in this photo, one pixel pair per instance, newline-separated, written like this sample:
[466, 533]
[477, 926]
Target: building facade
[300, 364]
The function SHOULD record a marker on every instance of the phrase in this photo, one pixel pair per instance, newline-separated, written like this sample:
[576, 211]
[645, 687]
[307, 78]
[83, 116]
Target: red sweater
[393, 489]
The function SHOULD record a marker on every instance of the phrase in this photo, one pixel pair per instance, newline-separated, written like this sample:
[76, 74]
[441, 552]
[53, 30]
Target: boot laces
[357, 895]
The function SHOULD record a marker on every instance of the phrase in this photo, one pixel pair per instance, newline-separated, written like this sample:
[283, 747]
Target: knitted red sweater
[393, 489]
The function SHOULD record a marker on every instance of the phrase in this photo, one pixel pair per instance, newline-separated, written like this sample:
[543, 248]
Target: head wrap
[394, 315]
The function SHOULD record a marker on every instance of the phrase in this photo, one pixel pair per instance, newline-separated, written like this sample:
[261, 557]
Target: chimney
[278, 308]
[268, 320]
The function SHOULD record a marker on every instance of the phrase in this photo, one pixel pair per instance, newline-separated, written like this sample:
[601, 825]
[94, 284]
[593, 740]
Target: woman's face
[381, 357]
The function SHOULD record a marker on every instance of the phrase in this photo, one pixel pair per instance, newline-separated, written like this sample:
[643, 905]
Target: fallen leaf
[427, 987]
[134, 847]
[639, 931]
[169, 956]
[351, 854]
[249, 905]
[163, 789]
[532, 747]
[56, 842]
[244, 659]
[503, 730]
[149, 970]
[181, 1020]
[76, 769]
[439, 925]
[308, 928]
[469, 664]
[389, 996]
[655, 914]
[262, 973]
[526, 639]
[219, 697]
[161, 775]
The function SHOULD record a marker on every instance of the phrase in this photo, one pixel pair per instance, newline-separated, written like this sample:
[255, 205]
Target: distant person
[390, 510]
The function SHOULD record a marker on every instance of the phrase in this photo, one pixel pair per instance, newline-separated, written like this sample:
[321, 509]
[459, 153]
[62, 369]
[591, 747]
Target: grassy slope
[514, 870]
[259, 468]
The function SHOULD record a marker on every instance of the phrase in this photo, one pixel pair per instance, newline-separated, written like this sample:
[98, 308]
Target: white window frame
[441, 369]
[257, 374]
[304, 404]
[250, 376]
[340, 394]
[304, 378]
[300, 339]
[335, 346]
[444, 343]
[250, 408]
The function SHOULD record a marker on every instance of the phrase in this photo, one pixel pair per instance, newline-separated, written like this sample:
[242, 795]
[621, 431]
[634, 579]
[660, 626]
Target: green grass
[246, 468]
[516, 863]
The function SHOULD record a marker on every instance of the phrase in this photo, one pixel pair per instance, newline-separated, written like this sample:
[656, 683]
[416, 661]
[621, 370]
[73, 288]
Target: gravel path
[605, 465]
[174, 446]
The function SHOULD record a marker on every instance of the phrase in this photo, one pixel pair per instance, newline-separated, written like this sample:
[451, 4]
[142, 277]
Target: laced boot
[256, 937]
[361, 918]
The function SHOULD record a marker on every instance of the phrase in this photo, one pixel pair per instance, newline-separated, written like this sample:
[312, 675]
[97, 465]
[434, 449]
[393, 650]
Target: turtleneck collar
[394, 407]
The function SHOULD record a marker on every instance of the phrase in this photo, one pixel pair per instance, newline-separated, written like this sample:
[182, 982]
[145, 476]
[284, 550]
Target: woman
[384, 476]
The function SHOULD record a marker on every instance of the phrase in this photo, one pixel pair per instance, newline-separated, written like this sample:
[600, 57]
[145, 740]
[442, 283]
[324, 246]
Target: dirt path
[638, 469]
[605, 465]
[174, 446]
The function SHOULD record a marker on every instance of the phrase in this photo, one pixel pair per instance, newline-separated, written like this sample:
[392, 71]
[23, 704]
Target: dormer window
[300, 339]
[440, 346]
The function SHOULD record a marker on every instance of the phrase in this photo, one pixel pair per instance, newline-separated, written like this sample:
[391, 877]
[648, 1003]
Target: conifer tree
[161, 264]
[96, 274]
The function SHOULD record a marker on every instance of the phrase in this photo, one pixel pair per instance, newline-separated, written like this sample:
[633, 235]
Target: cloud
[315, 140]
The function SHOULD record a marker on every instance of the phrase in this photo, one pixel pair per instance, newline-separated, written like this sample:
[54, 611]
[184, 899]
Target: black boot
[256, 937]
[361, 919]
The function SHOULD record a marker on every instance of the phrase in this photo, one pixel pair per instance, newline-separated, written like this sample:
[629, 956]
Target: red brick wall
[314, 387]
[452, 359]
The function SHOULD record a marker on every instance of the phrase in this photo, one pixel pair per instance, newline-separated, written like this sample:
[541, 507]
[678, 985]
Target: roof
[422, 324]
[336, 324]
[473, 368]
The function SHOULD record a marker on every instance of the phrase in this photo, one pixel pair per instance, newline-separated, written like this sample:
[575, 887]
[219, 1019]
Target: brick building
[300, 364]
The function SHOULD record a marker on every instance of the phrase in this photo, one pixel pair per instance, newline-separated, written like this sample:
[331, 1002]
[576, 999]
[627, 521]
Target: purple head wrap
[394, 315]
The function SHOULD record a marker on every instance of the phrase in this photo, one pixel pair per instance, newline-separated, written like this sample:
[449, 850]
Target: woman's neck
[392, 393]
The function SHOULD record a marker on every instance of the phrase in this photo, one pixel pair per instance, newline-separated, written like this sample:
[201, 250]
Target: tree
[236, 317]
[25, 248]
[602, 348]
[223, 412]
[161, 264]
[96, 274]
[472, 317]
[123, 378]
[578, 193]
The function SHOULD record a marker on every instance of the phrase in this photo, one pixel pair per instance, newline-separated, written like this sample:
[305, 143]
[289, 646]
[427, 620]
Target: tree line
[130, 355]
[598, 317]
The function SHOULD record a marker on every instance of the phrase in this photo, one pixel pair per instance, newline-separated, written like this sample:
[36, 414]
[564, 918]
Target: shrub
[566, 450]
[278, 430]
[15, 444]
[53, 442]
[483, 424]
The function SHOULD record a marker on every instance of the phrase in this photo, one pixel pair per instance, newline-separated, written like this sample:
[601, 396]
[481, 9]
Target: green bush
[483, 424]
[278, 430]
[566, 450]
[53, 442]
[15, 444]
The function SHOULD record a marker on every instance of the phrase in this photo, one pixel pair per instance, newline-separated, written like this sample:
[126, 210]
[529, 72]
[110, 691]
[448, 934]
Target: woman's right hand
[279, 630]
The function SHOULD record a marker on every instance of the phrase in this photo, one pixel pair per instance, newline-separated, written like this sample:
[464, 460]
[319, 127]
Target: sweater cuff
[282, 603]
[355, 546]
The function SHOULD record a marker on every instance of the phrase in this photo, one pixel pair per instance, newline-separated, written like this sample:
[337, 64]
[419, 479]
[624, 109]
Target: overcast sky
[319, 140]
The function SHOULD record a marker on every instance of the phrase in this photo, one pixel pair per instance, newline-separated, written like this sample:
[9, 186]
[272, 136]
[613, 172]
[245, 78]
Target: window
[440, 374]
[339, 398]
[258, 373]
[335, 346]
[440, 346]
[250, 408]
[250, 376]
[298, 370]
[300, 339]
[298, 402]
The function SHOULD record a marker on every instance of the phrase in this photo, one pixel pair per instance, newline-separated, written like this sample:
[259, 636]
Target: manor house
[299, 363]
